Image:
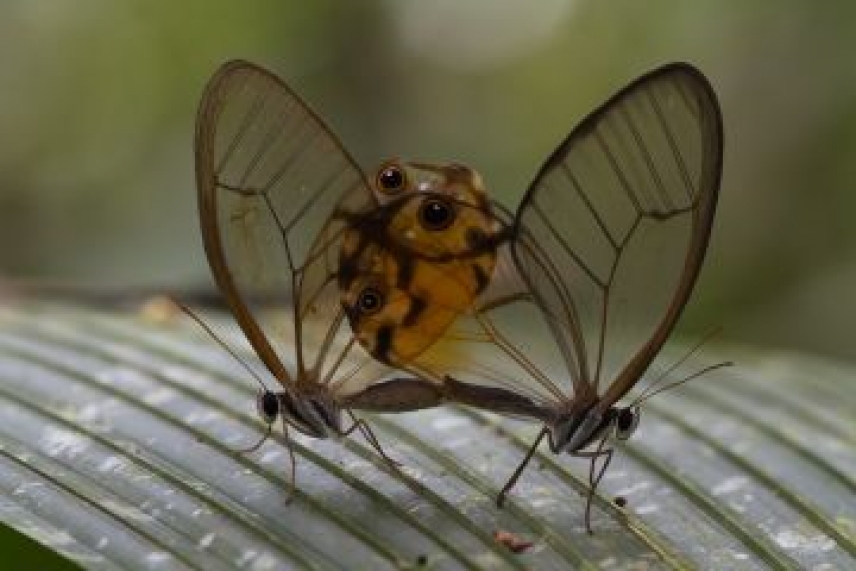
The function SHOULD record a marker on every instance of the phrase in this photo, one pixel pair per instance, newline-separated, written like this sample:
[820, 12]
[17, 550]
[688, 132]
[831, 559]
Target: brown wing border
[702, 215]
[210, 106]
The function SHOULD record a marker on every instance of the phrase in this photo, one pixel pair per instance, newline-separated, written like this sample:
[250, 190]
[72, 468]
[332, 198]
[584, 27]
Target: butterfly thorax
[573, 433]
[565, 426]
[411, 267]
[312, 413]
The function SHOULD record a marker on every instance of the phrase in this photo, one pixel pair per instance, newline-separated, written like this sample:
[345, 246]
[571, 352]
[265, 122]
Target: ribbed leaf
[116, 441]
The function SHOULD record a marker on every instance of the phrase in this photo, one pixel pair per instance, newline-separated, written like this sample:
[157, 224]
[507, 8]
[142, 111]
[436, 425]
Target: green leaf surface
[117, 439]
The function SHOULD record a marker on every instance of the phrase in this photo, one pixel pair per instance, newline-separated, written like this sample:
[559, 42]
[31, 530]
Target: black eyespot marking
[481, 277]
[268, 405]
[369, 301]
[383, 343]
[391, 180]
[406, 267]
[417, 306]
[436, 214]
[476, 238]
[348, 271]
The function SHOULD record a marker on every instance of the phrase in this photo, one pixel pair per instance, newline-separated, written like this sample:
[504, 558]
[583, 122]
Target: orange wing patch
[410, 268]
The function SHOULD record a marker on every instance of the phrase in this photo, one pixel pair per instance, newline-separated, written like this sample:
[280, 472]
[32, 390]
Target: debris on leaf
[514, 543]
[159, 309]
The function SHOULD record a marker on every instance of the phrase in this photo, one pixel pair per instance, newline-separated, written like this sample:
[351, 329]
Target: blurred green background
[97, 102]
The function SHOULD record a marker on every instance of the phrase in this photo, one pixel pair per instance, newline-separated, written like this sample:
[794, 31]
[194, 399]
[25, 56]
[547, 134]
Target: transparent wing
[276, 189]
[611, 234]
[501, 348]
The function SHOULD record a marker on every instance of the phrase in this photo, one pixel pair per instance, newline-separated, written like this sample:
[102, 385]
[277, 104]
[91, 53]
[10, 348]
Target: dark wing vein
[616, 168]
[612, 232]
[271, 176]
[689, 185]
[249, 118]
[569, 251]
[589, 206]
[649, 161]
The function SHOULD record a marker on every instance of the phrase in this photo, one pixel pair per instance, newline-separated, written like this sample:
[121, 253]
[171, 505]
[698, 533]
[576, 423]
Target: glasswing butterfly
[601, 255]
[277, 195]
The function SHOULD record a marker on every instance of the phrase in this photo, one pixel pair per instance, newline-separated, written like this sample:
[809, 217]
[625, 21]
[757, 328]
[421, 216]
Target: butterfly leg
[594, 479]
[292, 481]
[369, 435]
[500, 499]
[257, 445]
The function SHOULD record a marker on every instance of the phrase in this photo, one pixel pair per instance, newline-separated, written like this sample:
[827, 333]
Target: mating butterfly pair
[411, 289]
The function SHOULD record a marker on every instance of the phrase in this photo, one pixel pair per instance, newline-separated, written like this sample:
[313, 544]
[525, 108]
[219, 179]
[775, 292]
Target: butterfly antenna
[596, 475]
[650, 389]
[337, 364]
[503, 493]
[679, 382]
[207, 328]
[343, 380]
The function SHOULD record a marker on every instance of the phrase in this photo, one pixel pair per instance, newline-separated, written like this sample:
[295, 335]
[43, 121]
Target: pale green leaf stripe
[502, 553]
[106, 454]
[19, 506]
[121, 434]
[194, 476]
[123, 460]
[748, 466]
[782, 561]
[560, 542]
[314, 457]
[487, 538]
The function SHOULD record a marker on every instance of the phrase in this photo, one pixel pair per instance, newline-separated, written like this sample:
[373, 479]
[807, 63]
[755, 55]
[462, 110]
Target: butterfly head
[268, 406]
[625, 420]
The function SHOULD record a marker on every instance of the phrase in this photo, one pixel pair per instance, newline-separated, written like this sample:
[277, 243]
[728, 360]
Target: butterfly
[600, 257]
[279, 201]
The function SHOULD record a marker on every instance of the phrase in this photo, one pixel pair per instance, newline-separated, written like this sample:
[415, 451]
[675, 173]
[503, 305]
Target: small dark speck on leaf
[620, 501]
[409, 565]
[511, 541]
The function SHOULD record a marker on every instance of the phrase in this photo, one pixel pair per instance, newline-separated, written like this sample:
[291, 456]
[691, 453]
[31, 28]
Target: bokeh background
[97, 102]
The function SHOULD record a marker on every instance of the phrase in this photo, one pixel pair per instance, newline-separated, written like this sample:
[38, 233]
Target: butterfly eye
[626, 423]
[369, 301]
[436, 214]
[391, 180]
[268, 406]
